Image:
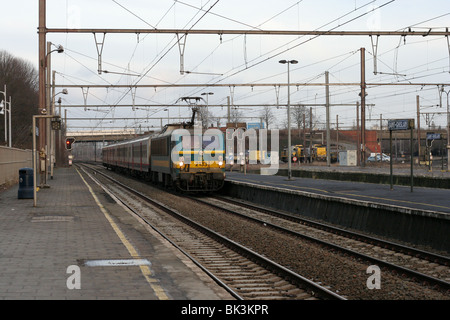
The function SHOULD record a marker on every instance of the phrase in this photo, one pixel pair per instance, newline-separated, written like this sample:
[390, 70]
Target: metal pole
[310, 135]
[412, 160]
[228, 110]
[390, 162]
[363, 106]
[218, 85]
[34, 162]
[10, 115]
[358, 142]
[402, 33]
[381, 135]
[337, 133]
[5, 108]
[48, 107]
[327, 94]
[52, 132]
[42, 44]
[289, 126]
[418, 129]
[448, 135]
[304, 140]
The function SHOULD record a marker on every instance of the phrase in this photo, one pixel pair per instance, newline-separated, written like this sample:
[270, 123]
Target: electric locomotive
[182, 156]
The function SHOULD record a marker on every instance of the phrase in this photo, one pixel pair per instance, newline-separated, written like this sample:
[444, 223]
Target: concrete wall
[11, 160]
[380, 178]
[412, 226]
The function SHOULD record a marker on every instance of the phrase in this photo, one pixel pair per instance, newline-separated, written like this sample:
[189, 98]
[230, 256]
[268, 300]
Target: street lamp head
[288, 61]
[65, 91]
[60, 49]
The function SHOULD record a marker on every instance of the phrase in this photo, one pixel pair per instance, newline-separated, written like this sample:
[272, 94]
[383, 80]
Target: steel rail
[197, 263]
[301, 281]
[430, 256]
[414, 274]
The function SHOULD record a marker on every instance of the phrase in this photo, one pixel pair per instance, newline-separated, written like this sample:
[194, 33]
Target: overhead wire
[306, 41]
[159, 59]
[222, 79]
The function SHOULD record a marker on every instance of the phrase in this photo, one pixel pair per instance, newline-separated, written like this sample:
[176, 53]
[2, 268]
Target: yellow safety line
[159, 291]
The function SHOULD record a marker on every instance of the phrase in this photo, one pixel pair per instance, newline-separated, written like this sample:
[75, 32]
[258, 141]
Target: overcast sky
[238, 59]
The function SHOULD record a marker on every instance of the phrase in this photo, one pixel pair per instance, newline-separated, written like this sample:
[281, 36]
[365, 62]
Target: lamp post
[288, 62]
[4, 105]
[45, 137]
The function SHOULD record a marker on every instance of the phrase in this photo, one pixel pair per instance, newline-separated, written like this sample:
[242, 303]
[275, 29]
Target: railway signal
[69, 142]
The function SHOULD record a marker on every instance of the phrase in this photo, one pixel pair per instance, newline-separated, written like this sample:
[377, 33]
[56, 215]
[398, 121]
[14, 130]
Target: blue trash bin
[26, 185]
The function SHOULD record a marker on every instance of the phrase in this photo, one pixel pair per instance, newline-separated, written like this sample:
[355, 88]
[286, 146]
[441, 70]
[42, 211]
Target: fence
[11, 160]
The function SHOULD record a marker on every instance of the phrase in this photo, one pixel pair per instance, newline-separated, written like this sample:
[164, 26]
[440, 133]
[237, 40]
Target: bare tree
[267, 115]
[236, 115]
[297, 113]
[21, 80]
[205, 116]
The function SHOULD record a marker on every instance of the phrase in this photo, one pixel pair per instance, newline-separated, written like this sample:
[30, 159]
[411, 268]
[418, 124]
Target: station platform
[420, 198]
[79, 244]
[419, 216]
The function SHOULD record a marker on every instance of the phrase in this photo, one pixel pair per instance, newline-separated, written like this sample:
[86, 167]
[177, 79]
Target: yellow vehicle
[257, 155]
[320, 152]
[284, 154]
[297, 154]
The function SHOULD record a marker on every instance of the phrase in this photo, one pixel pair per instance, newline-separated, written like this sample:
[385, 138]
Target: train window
[159, 147]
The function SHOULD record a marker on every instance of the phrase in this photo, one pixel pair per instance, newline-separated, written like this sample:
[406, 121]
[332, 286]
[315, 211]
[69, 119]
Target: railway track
[342, 273]
[417, 264]
[244, 273]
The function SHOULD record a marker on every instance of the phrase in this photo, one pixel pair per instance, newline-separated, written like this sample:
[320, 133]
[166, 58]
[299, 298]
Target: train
[181, 156]
[319, 153]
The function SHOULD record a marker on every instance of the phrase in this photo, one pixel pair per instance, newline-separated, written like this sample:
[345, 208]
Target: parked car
[385, 158]
[376, 157]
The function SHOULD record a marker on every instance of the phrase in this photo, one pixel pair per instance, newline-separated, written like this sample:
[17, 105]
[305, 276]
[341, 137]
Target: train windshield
[190, 142]
[211, 142]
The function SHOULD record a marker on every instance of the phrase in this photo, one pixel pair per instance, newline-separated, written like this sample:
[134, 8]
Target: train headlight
[181, 161]
[220, 161]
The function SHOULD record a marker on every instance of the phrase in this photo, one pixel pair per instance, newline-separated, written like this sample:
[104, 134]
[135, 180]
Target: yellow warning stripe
[159, 291]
